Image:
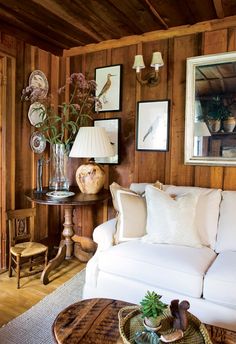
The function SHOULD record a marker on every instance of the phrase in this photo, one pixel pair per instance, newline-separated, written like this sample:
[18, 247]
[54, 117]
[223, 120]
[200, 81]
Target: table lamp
[201, 129]
[91, 142]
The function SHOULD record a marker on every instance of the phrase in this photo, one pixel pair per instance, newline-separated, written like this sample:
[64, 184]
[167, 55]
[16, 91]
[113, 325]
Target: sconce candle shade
[91, 142]
[138, 63]
[157, 60]
[152, 78]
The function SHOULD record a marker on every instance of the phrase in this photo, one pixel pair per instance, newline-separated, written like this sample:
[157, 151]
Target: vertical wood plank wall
[137, 166]
[169, 166]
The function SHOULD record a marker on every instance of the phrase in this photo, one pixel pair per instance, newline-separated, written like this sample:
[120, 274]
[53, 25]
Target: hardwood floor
[14, 301]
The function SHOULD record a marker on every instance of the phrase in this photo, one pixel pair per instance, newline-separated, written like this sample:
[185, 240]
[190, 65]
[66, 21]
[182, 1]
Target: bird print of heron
[105, 89]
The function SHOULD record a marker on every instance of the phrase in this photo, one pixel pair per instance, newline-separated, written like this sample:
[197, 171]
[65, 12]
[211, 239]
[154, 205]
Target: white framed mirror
[210, 111]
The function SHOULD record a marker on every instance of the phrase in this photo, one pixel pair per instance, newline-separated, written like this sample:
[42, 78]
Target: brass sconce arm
[150, 79]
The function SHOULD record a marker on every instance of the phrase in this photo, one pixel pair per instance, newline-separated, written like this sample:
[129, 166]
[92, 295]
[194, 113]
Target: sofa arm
[103, 234]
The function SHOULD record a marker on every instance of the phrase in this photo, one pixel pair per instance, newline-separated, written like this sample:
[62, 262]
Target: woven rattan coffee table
[95, 321]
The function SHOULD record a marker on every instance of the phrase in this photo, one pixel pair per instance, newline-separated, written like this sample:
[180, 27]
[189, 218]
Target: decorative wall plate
[60, 194]
[36, 113]
[38, 79]
[37, 142]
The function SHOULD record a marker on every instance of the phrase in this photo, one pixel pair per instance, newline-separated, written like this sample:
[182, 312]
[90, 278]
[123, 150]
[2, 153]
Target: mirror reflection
[211, 110]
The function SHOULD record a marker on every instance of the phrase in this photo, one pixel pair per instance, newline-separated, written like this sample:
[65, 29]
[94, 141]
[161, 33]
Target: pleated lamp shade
[91, 142]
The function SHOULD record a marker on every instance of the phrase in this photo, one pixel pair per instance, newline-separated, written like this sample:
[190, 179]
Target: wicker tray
[130, 321]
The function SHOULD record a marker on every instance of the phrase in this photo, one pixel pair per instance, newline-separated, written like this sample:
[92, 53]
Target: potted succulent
[152, 309]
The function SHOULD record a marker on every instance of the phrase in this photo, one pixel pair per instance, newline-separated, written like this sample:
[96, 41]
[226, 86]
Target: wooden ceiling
[217, 79]
[54, 25]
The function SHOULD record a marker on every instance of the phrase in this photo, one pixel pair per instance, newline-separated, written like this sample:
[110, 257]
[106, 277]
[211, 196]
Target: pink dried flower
[61, 126]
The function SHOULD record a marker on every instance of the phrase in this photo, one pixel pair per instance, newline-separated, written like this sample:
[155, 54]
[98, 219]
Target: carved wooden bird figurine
[105, 88]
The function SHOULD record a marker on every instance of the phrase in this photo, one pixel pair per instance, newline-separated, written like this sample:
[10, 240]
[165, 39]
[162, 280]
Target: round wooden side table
[65, 250]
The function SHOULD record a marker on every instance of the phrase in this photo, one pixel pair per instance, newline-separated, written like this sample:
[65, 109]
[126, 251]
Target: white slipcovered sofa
[202, 272]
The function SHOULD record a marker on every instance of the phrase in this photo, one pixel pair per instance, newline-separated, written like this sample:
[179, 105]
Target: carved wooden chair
[22, 250]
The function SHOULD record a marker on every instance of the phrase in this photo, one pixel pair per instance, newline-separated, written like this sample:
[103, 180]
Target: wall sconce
[150, 79]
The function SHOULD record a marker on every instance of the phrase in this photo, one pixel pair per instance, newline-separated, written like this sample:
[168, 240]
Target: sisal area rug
[34, 326]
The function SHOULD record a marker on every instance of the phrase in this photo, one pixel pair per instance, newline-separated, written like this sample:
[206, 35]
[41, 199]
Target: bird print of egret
[108, 81]
[152, 131]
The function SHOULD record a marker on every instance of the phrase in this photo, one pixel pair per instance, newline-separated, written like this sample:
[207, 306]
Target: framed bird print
[108, 90]
[152, 127]
[112, 127]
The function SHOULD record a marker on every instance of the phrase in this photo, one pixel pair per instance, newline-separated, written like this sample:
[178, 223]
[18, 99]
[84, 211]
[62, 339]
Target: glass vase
[59, 167]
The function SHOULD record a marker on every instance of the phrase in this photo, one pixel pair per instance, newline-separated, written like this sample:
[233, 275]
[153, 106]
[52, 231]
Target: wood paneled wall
[168, 167]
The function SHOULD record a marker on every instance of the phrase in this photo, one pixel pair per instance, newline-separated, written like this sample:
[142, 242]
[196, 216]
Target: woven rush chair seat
[23, 251]
[27, 249]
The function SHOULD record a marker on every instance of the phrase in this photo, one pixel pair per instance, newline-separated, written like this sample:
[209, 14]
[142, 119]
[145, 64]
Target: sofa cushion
[171, 221]
[207, 210]
[177, 268]
[226, 236]
[220, 280]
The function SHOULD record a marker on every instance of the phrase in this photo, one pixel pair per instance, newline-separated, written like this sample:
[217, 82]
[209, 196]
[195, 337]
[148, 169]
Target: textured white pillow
[171, 221]
[207, 210]
[139, 188]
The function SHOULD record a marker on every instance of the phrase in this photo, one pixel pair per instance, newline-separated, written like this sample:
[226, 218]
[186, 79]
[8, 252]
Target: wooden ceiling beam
[26, 37]
[156, 14]
[59, 11]
[219, 8]
[136, 16]
[32, 19]
[104, 19]
[209, 25]
[126, 11]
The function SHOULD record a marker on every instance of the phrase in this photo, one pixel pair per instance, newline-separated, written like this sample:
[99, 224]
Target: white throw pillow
[207, 210]
[171, 221]
[226, 236]
[139, 188]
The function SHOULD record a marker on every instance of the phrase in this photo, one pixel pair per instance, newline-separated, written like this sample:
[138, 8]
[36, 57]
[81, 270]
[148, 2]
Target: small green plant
[217, 110]
[151, 305]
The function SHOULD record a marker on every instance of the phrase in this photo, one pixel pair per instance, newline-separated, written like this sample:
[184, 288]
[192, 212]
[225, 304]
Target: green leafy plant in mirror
[60, 124]
[216, 109]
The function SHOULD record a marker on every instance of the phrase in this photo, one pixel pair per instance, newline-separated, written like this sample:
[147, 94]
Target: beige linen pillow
[131, 213]
[114, 187]
[132, 216]
[171, 220]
